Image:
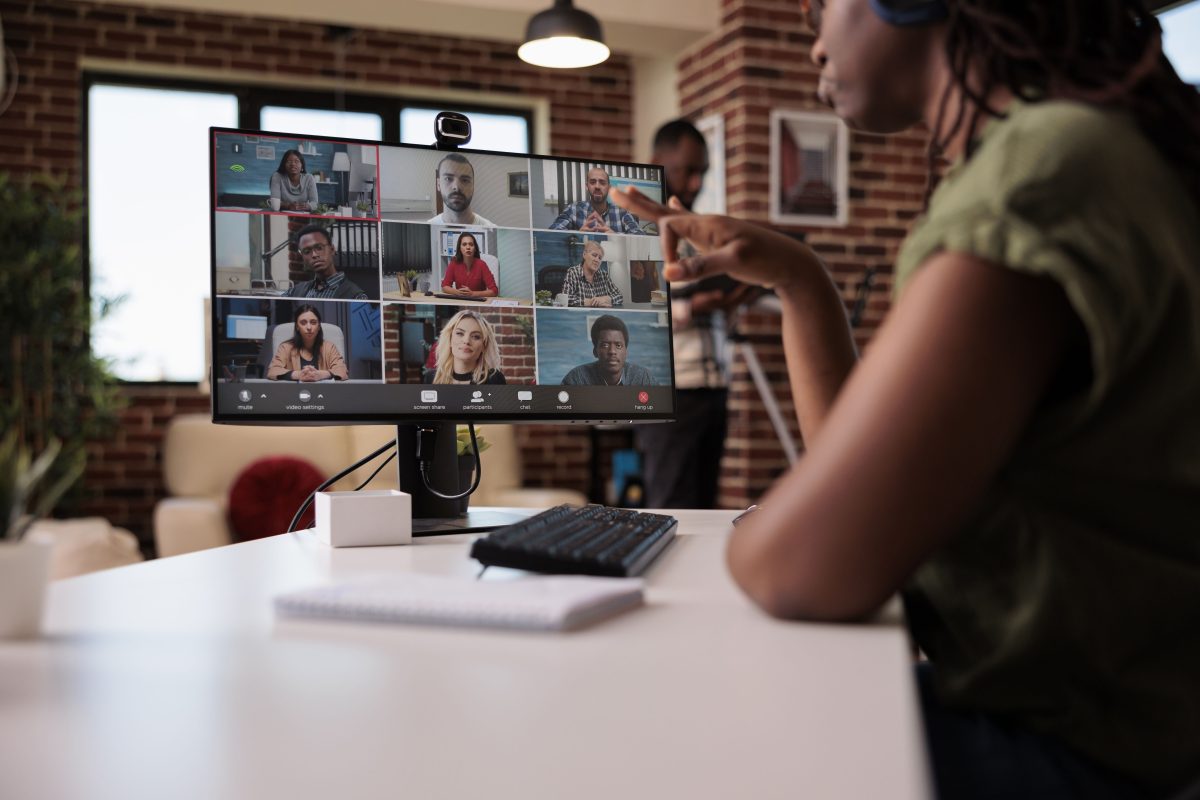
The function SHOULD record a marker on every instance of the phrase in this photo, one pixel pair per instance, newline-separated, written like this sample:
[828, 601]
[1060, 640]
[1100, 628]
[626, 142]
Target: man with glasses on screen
[596, 214]
[456, 184]
[320, 258]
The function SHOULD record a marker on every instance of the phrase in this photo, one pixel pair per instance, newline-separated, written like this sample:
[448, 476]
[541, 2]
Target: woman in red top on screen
[467, 274]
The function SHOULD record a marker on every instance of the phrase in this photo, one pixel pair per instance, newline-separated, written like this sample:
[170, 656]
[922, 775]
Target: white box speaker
[364, 519]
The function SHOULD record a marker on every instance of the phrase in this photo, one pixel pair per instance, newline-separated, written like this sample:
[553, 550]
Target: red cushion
[266, 494]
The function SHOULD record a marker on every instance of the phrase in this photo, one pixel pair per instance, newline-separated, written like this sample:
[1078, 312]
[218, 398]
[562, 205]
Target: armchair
[201, 460]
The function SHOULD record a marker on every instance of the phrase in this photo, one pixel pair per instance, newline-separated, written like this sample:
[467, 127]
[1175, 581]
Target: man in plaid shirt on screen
[588, 283]
[596, 214]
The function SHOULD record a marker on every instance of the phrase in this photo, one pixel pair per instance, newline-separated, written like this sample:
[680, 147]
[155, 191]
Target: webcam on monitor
[452, 130]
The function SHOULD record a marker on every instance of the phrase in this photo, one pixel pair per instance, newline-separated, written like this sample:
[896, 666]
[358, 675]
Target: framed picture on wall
[711, 199]
[810, 166]
[518, 184]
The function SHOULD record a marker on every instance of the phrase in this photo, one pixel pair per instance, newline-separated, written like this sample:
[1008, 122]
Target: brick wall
[755, 62]
[590, 116]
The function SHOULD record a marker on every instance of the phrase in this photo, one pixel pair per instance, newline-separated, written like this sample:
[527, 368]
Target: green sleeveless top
[1070, 604]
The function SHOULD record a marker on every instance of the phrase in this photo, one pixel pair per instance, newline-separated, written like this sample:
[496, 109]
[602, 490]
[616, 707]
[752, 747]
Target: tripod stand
[754, 367]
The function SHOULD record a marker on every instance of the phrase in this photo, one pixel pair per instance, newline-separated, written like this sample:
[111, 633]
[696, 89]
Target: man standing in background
[682, 460]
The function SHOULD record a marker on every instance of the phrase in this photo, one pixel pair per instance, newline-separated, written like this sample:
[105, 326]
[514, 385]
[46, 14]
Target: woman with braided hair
[1025, 422]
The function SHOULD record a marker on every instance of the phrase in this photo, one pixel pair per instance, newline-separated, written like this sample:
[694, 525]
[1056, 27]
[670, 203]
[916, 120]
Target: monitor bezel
[325, 418]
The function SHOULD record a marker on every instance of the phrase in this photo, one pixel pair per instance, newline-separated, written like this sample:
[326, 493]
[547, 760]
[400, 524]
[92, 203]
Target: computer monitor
[406, 284]
[245, 326]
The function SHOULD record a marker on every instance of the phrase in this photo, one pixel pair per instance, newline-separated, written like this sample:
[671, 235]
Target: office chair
[493, 265]
[332, 333]
[551, 279]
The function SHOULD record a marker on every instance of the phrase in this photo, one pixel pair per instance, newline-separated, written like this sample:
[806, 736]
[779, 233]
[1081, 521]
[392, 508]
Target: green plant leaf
[31, 474]
[463, 439]
[55, 388]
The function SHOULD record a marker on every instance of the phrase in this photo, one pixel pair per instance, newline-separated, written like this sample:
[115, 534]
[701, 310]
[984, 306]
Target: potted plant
[466, 462]
[542, 297]
[25, 496]
[57, 395]
[361, 209]
[411, 277]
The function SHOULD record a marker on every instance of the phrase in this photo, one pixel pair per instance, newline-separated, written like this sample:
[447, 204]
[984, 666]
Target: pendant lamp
[563, 37]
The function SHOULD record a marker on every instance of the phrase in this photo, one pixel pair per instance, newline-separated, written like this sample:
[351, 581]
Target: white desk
[173, 679]
[427, 298]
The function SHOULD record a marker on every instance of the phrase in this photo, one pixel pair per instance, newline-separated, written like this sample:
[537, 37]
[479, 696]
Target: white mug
[274, 201]
[561, 300]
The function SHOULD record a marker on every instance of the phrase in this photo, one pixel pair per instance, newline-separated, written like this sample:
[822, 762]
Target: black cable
[308, 500]
[862, 292]
[424, 461]
[386, 461]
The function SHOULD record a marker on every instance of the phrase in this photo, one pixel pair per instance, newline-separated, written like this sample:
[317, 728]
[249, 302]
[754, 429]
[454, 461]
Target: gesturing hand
[742, 249]
[595, 223]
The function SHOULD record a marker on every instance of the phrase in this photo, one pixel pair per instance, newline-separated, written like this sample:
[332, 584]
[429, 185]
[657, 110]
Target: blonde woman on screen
[467, 351]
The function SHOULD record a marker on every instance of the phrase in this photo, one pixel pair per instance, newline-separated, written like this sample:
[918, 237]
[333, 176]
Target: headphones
[905, 13]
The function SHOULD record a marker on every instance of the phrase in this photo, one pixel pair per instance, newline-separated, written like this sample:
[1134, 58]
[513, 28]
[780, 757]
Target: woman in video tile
[467, 274]
[292, 188]
[467, 351]
[307, 356]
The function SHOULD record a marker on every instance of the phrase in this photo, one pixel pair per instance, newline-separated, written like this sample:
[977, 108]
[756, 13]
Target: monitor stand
[433, 515]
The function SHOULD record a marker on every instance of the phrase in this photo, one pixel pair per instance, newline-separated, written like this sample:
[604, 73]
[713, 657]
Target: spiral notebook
[544, 603]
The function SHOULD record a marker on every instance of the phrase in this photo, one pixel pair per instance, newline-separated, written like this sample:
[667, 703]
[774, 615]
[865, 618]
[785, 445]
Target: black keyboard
[588, 540]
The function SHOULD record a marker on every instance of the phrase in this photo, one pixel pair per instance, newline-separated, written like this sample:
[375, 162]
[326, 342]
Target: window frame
[251, 99]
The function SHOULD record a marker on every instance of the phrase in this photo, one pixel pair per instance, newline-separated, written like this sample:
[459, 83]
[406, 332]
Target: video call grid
[382, 303]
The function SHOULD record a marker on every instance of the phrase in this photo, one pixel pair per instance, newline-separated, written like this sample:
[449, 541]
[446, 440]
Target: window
[1181, 40]
[319, 122]
[148, 196]
[148, 225]
[508, 133]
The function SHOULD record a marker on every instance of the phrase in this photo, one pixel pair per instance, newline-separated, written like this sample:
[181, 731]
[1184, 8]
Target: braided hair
[1106, 53]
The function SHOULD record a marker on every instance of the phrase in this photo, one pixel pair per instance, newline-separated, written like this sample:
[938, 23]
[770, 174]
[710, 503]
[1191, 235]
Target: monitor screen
[245, 326]
[361, 281]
